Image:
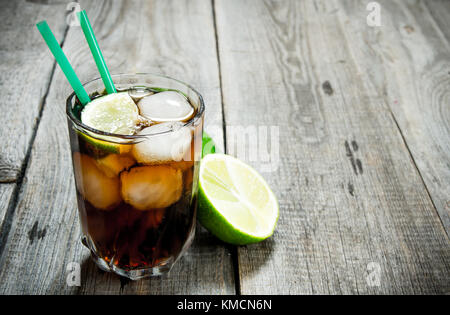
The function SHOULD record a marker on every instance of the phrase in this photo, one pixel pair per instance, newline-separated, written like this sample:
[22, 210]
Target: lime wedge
[113, 113]
[235, 203]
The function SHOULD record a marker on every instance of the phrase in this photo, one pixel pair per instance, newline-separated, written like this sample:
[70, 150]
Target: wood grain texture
[6, 191]
[175, 38]
[352, 202]
[407, 64]
[25, 71]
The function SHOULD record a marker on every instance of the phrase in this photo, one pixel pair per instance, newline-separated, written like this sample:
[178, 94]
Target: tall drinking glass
[137, 215]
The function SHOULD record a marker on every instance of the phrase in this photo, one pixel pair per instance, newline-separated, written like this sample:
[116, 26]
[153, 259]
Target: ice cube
[139, 92]
[100, 190]
[166, 106]
[186, 162]
[151, 187]
[169, 146]
[113, 164]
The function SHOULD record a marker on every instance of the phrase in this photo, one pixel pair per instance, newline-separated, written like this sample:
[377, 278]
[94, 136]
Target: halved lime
[235, 202]
[114, 113]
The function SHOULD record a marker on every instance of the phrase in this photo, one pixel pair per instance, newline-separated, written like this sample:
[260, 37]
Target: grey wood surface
[361, 169]
[350, 195]
[407, 63]
[24, 62]
[6, 192]
[175, 38]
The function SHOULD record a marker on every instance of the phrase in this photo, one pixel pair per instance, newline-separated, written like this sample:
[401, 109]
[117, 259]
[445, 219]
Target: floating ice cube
[113, 164]
[170, 146]
[139, 92]
[151, 187]
[186, 162]
[166, 106]
[100, 190]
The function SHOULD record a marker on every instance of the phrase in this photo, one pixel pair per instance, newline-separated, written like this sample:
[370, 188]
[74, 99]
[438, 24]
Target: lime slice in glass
[101, 147]
[113, 113]
[235, 203]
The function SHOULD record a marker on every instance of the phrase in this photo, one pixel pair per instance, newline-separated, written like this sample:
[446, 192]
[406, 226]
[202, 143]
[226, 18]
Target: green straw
[96, 52]
[61, 59]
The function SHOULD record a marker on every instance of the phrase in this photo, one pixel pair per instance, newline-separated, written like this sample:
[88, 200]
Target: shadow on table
[253, 257]
[249, 257]
[208, 267]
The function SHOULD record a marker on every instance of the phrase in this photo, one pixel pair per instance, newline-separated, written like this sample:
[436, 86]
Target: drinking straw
[96, 52]
[61, 59]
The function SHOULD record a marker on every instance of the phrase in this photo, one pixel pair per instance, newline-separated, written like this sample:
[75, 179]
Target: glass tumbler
[137, 216]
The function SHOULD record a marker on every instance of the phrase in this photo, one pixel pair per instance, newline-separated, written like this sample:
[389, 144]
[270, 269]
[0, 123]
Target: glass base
[132, 274]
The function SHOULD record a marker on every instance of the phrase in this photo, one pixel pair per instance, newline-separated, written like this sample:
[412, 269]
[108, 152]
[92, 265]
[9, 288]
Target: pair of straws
[67, 69]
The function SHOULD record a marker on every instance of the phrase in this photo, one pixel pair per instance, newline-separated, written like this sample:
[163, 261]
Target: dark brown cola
[137, 206]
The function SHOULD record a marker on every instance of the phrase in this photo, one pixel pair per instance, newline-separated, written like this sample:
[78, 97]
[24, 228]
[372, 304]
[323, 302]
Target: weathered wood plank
[25, 72]
[352, 203]
[171, 37]
[407, 62]
[439, 11]
[6, 191]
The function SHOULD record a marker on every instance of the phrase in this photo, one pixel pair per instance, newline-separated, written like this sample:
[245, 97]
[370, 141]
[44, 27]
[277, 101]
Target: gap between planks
[447, 44]
[418, 170]
[405, 142]
[233, 248]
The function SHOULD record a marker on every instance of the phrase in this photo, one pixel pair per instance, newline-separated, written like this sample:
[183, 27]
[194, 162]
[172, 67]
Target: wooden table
[360, 113]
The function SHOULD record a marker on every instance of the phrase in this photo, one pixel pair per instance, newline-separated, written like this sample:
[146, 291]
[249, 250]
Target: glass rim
[94, 132]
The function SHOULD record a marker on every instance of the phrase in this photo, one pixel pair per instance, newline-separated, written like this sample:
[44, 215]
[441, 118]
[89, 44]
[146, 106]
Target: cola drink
[137, 194]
